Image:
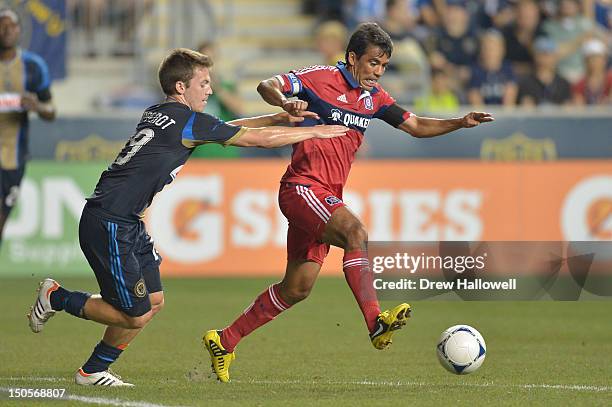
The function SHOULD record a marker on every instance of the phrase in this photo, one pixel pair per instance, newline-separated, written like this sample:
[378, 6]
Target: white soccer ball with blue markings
[461, 349]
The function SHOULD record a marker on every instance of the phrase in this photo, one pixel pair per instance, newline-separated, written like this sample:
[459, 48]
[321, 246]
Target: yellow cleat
[388, 322]
[219, 357]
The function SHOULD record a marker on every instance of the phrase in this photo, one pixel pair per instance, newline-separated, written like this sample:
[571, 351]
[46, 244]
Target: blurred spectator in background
[119, 17]
[544, 86]
[330, 38]
[495, 13]
[569, 30]
[409, 58]
[440, 98]
[595, 88]
[402, 21]
[25, 86]
[492, 81]
[225, 103]
[88, 15]
[455, 47]
[484, 13]
[520, 35]
[126, 19]
[599, 11]
[431, 12]
[359, 11]
[324, 9]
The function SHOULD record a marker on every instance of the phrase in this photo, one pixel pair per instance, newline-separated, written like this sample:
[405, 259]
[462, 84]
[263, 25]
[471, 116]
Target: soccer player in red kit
[310, 194]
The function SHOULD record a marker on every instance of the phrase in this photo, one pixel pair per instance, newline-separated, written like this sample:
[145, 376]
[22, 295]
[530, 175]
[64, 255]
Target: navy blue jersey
[152, 157]
[492, 84]
[27, 72]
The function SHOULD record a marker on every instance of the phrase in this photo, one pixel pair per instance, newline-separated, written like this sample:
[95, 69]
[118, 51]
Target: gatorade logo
[599, 219]
[587, 210]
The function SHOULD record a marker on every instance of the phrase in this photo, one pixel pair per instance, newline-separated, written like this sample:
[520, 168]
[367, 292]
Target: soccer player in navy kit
[111, 231]
[310, 194]
[25, 87]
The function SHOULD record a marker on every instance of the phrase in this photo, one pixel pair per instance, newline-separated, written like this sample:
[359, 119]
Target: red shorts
[308, 208]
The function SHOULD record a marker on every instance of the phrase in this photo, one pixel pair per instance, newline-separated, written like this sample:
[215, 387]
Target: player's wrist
[279, 118]
[461, 122]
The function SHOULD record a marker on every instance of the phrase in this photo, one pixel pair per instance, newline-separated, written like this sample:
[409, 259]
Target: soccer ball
[461, 349]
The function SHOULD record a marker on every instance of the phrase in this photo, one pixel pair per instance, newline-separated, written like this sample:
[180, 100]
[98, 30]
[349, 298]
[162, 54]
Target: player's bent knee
[138, 317]
[356, 235]
[157, 306]
[295, 295]
[157, 299]
[139, 322]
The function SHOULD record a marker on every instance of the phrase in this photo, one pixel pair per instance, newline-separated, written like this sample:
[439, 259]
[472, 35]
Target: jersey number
[134, 145]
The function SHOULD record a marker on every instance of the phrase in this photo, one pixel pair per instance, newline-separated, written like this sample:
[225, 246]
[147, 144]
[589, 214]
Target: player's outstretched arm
[428, 127]
[271, 137]
[281, 118]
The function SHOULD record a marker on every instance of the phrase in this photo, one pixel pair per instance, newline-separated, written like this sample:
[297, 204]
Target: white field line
[575, 387]
[85, 399]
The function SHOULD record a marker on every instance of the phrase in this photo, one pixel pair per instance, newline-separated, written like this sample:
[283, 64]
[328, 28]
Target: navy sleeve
[38, 79]
[202, 128]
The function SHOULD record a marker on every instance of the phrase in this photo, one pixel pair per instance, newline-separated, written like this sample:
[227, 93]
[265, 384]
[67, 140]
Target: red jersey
[595, 97]
[333, 93]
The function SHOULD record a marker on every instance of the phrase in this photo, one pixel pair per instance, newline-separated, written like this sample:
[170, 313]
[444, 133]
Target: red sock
[358, 275]
[265, 308]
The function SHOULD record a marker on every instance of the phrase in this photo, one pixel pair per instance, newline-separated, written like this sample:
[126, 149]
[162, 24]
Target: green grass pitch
[318, 353]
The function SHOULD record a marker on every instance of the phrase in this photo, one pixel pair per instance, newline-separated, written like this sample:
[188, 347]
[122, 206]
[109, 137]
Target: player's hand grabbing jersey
[333, 93]
[164, 140]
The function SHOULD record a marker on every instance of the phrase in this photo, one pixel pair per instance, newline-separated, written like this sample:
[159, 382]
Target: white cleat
[41, 311]
[105, 378]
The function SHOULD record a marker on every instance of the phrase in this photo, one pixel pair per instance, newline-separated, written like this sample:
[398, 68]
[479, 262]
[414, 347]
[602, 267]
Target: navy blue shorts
[124, 260]
[10, 180]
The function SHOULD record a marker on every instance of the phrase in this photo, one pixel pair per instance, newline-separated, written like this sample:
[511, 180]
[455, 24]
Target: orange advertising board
[222, 217]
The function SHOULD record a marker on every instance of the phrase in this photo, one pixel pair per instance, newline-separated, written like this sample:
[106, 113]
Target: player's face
[9, 33]
[199, 89]
[368, 69]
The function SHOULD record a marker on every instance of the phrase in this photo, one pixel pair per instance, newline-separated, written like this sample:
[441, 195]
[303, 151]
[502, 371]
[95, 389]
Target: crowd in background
[447, 53]
[494, 52]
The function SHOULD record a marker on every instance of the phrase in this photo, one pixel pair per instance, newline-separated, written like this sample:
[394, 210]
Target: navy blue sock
[74, 303]
[101, 358]
[58, 297]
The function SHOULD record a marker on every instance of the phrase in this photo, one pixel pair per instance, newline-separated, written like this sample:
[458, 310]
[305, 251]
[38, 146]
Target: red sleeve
[290, 82]
[385, 100]
[294, 82]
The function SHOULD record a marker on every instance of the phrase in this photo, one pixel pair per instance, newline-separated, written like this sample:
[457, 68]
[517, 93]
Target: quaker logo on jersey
[332, 200]
[349, 119]
[368, 103]
[336, 115]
